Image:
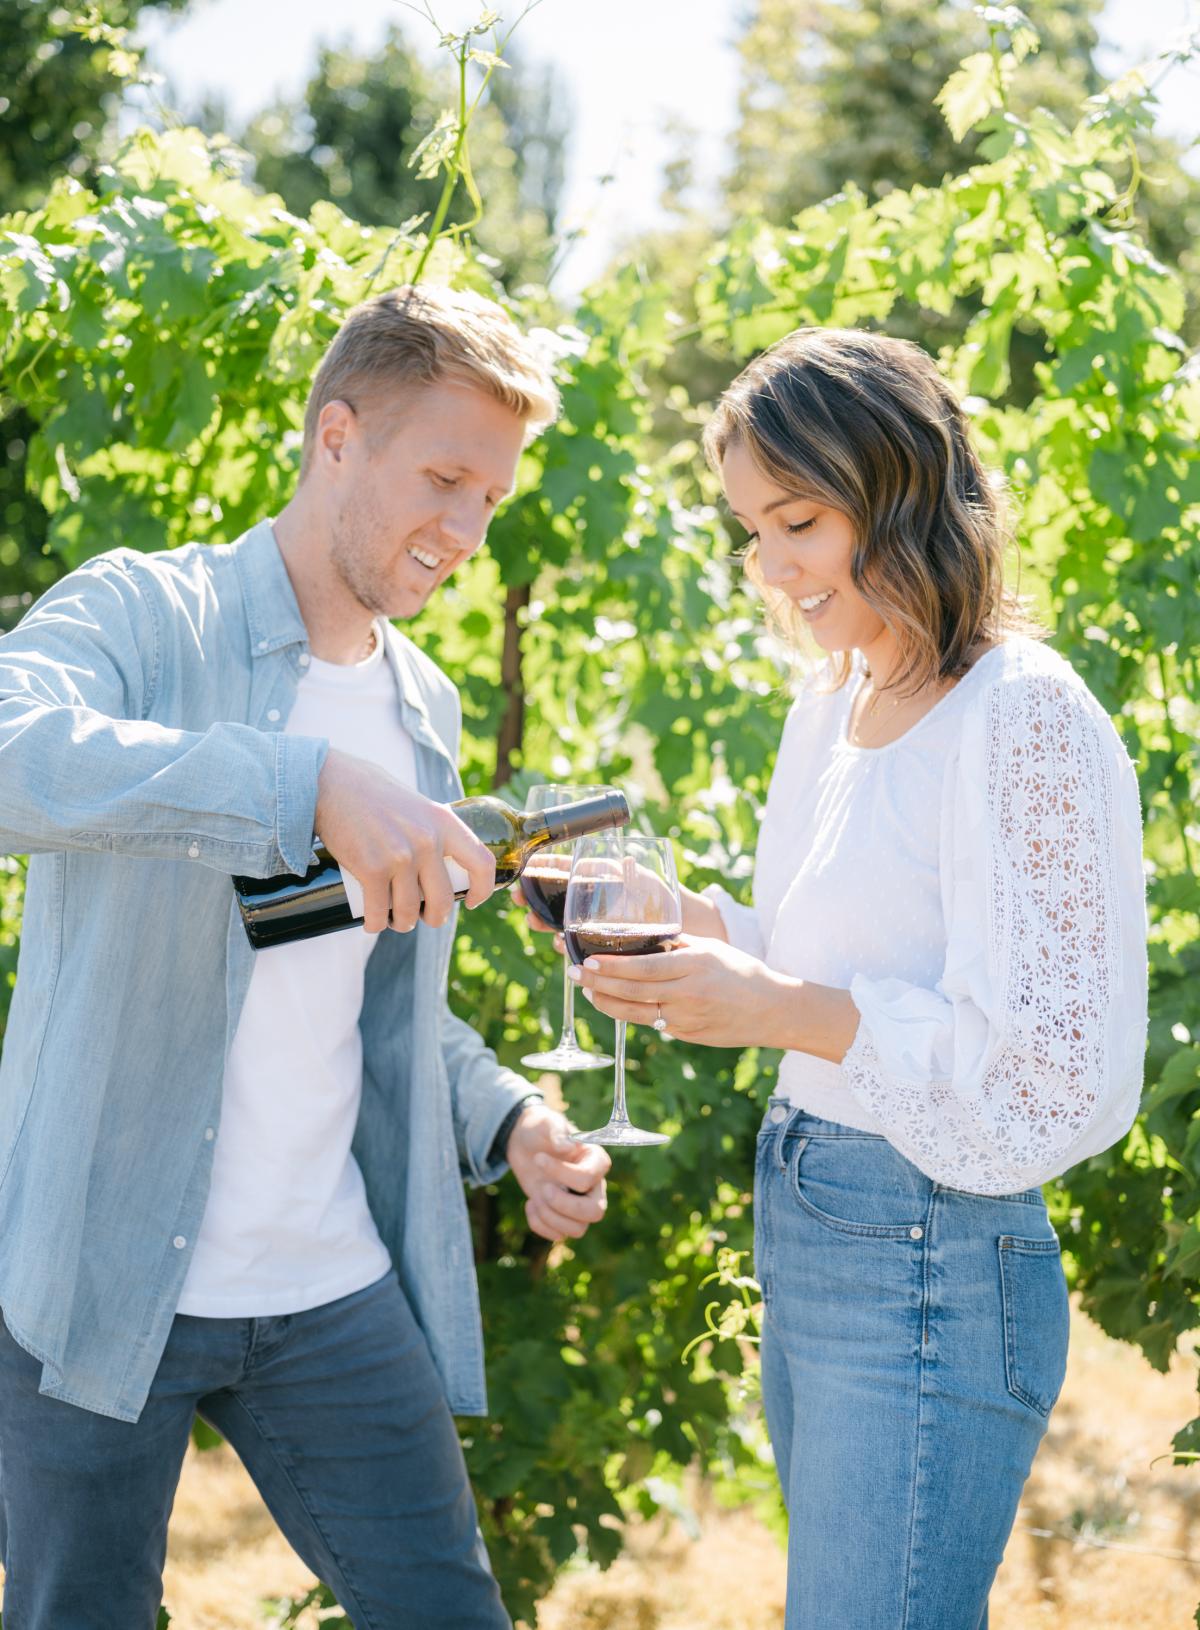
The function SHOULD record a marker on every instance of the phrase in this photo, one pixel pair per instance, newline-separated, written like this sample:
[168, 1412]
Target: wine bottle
[278, 910]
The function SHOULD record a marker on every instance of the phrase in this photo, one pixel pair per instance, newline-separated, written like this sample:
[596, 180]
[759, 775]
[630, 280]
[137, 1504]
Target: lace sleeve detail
[1002, 1070]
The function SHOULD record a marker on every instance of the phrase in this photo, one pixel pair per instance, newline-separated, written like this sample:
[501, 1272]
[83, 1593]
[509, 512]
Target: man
[231, 1183]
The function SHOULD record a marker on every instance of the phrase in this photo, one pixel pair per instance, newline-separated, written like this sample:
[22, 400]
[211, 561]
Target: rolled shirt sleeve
[1027, 1056]
[483, 1093]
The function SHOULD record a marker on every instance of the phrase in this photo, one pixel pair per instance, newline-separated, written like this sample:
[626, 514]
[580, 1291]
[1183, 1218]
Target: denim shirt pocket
[1036, 1313]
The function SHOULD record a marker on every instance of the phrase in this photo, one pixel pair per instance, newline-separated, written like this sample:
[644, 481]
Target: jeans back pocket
[1036, 1314]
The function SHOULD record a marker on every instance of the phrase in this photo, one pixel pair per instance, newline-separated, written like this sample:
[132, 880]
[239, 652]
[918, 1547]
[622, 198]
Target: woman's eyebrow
[778, 503]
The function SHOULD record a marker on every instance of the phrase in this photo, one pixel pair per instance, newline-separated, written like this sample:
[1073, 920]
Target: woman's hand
[706, 991]
[711, 993]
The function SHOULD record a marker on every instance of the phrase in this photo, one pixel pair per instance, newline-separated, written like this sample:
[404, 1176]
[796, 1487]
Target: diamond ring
[660, 1023]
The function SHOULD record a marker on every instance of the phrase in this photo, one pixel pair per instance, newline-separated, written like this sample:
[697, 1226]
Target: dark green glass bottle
[278, 910]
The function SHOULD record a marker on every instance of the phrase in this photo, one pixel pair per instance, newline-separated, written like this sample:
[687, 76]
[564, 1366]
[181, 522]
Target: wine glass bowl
[622, 900]
[544, 885]
[544, 888]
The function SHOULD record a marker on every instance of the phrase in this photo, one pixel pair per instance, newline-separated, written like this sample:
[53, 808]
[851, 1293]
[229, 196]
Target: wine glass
[622, 900]
[544, 885]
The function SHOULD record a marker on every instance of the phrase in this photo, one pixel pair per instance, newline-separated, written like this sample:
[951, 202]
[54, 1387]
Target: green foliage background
[159, 329]
[352, 138]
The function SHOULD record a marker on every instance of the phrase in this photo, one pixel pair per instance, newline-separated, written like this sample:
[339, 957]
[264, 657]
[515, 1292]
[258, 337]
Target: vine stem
[1189, 858]
[459, 165]
[452, 169]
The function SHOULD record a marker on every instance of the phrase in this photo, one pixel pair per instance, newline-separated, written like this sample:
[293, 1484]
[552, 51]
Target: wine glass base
[566, 1059]
[621, 1135]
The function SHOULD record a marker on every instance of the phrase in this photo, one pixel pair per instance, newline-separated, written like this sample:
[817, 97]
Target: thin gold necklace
[872, 706]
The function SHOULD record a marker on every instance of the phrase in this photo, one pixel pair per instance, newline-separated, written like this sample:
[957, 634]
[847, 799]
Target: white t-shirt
[977, 887]
[287, 1225]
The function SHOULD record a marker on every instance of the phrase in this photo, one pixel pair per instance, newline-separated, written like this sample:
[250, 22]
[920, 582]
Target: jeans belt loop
[785, 1126]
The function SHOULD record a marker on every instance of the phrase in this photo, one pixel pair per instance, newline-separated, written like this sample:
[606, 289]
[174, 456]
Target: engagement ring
[660, 1023]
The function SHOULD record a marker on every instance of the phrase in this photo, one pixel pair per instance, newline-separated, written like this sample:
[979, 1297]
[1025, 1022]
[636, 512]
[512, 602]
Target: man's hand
[564, 1180]
[396, 844]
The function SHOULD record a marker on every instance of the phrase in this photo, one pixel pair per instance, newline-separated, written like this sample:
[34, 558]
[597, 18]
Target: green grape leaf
[970, 94]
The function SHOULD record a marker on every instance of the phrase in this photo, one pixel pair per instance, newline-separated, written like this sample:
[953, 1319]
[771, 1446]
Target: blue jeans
[914, 1343]
[339, 1417]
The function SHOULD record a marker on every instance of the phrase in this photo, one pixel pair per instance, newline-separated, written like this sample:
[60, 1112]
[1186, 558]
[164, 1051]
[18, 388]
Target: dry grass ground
[1102, 1542]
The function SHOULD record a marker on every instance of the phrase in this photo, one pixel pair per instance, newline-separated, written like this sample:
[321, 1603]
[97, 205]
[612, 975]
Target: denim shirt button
[179, 1242]
[778, 1113]
[194, 851]
[304, 659]
[916, 1233]
[209, 1134]
[273, 714]
[262, 644]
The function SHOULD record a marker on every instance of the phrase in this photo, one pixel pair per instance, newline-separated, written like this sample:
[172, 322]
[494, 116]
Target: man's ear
[336, 427]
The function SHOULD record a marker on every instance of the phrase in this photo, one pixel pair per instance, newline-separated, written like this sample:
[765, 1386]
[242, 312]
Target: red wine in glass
[546, 893]
[622, 900]
[615, 939]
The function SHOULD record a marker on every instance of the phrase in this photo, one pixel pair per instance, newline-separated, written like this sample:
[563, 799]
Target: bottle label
[354, 893]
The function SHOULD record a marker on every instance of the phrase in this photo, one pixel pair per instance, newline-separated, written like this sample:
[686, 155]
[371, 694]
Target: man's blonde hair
[412, 337]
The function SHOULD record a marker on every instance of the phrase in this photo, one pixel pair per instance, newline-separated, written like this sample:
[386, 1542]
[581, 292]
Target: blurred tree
[832, 93]
[60, 90]
[58, 97]
[352, 136]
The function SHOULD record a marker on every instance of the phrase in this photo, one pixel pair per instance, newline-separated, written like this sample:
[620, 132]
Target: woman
[948, 943]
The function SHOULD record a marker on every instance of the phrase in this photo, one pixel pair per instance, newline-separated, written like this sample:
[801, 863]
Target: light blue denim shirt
[142, 764]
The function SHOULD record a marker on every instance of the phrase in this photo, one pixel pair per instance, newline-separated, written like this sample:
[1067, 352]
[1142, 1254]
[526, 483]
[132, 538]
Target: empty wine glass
[622, 900]
[544, 885]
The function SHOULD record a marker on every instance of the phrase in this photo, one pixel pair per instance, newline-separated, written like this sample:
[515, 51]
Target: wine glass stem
[620, 1116]
[567, 1039]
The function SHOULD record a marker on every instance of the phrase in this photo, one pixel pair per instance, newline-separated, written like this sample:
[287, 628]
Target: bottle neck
[588, 815]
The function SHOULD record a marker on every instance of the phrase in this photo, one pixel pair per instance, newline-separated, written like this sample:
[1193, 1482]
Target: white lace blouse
[977, 886]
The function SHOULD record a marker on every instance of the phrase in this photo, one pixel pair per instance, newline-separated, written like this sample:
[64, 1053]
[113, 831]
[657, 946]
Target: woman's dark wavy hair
[867, 425]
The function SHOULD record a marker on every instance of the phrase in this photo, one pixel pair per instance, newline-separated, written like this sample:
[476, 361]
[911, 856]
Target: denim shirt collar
[272, 614]
[274, 621]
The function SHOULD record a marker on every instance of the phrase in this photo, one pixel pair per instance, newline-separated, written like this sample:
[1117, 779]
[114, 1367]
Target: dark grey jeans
[337, 1414]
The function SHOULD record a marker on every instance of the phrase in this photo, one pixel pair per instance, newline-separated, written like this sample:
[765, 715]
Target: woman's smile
[813, 605]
